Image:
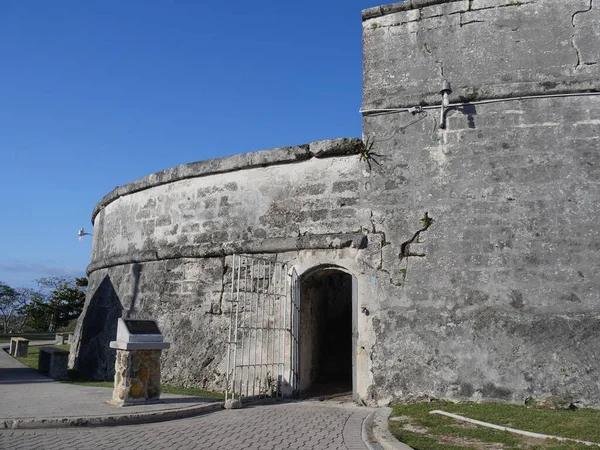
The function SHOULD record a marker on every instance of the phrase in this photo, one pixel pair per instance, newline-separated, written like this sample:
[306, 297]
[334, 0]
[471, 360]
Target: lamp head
[446, 88]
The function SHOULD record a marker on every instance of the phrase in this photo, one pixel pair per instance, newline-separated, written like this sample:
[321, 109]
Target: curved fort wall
[162, 246]
[475, 247]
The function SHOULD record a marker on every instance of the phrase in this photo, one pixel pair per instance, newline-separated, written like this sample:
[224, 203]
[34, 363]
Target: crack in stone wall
[573, 38]
[438, 43]
[405, 247]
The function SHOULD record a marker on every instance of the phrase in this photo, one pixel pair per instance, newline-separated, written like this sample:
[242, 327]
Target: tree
[61, 302]
[11, 305]
[26, 297]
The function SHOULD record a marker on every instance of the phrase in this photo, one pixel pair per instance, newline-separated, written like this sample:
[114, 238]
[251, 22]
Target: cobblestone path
[302, 425]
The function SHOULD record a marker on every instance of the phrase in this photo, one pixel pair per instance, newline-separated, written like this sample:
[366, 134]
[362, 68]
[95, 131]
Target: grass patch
[423, 431]
[166, 389]
[5, 338]
[197, 392]
[31, 361]
[88, 383]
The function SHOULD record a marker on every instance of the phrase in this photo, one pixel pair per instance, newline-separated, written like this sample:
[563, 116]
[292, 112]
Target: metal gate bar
[259, 329]
[294, 366]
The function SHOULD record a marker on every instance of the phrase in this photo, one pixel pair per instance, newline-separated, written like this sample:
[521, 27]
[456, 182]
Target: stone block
[53, 361]
[233, 403]
[19, 347]
[63, 338]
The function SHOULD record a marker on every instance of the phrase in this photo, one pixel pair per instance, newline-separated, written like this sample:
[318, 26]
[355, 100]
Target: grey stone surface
[499, 297]
[474, 249]
[486, 48]
[54, 362]
[233, 403]
[162, 252]
[283, 155]
[19, 347]
[63, 338]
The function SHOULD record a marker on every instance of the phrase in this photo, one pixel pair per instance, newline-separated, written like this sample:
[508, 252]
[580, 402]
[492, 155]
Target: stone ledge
[379, 11]
[276, 245]
[376, 432]
[110, 420]
[468, 94]
[262, 158]
[129, 346]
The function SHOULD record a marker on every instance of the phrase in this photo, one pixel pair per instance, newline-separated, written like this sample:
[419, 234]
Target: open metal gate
[262, 355]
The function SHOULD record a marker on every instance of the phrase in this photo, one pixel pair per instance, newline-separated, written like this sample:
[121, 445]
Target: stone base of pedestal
[137, 377]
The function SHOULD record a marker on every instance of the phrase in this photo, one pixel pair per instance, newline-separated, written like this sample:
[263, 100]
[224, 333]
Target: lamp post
[82, 233]
[446, 91]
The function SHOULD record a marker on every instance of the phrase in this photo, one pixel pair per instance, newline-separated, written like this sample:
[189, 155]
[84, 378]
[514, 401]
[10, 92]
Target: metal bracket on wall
[446, 91]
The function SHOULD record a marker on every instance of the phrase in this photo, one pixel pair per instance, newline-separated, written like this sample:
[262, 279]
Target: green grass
[166, 389]
[31, 361]
[5, 338]
[197, 392]
[88, 383]
[435, 432]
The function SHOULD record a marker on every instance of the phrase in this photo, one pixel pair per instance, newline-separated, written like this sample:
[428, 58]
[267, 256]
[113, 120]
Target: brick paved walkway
[300, 425]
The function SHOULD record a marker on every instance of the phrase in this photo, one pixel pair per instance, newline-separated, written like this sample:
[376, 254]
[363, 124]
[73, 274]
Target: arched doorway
[326, 335]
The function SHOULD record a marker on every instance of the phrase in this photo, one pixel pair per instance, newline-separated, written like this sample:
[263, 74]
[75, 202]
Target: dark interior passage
[326, 332]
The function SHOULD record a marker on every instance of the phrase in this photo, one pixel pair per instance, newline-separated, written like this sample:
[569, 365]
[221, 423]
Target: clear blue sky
[95, 94]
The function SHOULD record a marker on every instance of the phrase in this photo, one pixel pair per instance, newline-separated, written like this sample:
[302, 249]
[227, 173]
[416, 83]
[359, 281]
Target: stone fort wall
[162, 246]
[500, 296]
[475, 247]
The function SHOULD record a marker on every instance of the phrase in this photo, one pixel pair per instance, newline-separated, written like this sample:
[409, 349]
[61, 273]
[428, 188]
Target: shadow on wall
[136, 270]
[95, 359]
[470, 111]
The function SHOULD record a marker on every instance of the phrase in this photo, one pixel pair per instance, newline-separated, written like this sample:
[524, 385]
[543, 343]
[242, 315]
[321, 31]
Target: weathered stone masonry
[475, 248]
[503, 300]
[162, 246]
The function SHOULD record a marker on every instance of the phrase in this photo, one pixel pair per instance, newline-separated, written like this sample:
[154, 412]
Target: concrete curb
[110, 420]
[375, 432]
[512, 430]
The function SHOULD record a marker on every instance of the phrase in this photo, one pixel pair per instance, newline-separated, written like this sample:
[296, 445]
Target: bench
[63, 338]
[54, 362]
[19, 347]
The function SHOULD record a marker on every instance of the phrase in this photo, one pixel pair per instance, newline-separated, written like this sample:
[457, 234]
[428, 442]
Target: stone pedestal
[137, 366]
[137, 377]
[63, 338]
[19, 347]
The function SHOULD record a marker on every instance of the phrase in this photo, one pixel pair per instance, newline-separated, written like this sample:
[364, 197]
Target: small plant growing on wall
[366, 152]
